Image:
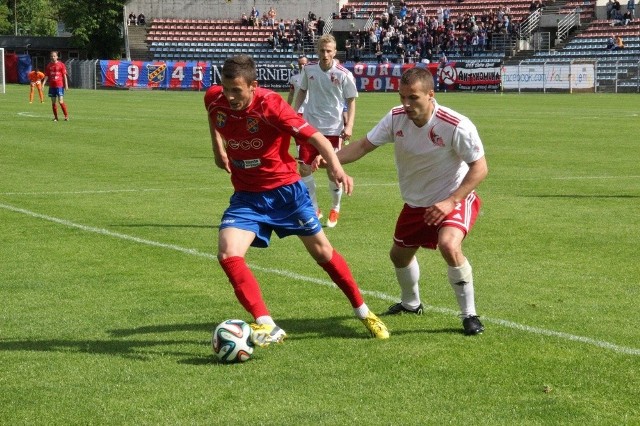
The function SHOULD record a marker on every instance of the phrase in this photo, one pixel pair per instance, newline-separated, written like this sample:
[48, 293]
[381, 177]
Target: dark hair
[240, 66]
[418, 74]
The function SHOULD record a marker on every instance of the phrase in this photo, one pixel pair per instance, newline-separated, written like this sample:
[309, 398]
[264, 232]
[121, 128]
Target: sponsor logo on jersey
[255, 143]
[221, 119]
[247, 164]
[252, 124]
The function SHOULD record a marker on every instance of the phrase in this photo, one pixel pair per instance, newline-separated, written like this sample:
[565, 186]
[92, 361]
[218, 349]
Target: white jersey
[431, 160]
[294, 81]
[328, 92]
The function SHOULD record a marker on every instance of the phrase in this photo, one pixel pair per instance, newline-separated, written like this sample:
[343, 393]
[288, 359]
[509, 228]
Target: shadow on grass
[135, 343]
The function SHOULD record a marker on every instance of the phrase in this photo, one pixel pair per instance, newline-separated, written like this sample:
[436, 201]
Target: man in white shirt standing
[330, 87]
[440, 161]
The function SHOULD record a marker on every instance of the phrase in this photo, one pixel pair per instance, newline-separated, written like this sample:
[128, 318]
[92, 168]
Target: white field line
[295, 276]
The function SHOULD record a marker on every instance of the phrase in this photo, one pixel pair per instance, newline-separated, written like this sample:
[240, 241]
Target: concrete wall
[229, 9]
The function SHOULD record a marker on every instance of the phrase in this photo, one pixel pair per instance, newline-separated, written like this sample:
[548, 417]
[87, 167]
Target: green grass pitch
[109, 288]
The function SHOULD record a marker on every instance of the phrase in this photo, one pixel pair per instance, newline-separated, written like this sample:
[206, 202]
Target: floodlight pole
[15, 15]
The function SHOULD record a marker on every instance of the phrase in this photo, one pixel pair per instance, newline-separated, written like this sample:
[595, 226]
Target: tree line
[95, 26]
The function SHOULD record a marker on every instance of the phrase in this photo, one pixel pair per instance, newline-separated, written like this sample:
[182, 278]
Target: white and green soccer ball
[231, 341]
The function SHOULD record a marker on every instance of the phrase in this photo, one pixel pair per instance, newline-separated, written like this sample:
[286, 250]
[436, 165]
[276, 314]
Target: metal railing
[567, 23]
[530, 25]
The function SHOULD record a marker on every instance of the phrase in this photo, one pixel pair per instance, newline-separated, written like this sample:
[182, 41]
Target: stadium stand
[216, 39]
[614, 67]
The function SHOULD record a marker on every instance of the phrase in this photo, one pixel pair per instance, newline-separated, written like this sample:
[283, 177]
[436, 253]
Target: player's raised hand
[340, 177]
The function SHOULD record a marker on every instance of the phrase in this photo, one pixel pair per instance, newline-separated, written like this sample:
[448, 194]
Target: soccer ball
[231, 341]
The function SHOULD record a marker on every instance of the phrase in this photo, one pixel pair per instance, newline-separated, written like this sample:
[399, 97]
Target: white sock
[408, 278]
[265, 319]
[310, 182]
[336, 195]
[461, 280]
[361, 311]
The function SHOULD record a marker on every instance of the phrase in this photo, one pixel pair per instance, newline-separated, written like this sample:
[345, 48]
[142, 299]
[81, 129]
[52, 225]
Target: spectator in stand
[609, 8]
[616, 10]
[344, 12]
[611, 42]
[244, 20]
[141, 19]
[616, 18]
[357, 52]
[320, 25]
[255, 15]
[379, 56]
[619, 44]
[626, 18]
[132, 19]
[631, 7]
[271, 16]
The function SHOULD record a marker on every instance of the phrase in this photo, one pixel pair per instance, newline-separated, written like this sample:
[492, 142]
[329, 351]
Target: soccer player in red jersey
[56, 75]
[250, 131]
[440, 161]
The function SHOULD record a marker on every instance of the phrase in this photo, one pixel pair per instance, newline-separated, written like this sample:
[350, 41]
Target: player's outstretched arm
[333, 165]
[355, 150]
[348, 154]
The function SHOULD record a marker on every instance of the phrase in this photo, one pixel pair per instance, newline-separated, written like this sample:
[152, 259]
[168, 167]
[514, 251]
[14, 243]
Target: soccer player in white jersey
[329, 87]
[440, 161]
[294, 84]
[294, 89]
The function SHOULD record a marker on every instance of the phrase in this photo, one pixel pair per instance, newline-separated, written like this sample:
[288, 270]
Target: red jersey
[257, 138]
[55, 72]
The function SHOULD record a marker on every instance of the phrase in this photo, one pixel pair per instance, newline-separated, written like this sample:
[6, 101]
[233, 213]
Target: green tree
[96, 26]
[33, 17]
[6, 26]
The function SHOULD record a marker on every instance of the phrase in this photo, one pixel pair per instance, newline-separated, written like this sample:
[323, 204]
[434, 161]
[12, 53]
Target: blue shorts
[54, 92]
[287, 210]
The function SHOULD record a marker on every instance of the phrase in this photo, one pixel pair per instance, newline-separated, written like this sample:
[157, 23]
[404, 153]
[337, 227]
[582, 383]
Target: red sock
[244, 285]
[64, 109]
[54, 107]
[340, 273]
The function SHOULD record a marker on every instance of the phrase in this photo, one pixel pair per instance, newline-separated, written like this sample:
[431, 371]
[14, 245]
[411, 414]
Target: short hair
[240, 66]
[325, 39]
[418, 74]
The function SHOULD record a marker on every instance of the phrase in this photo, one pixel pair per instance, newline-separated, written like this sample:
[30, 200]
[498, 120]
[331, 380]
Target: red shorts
[307, 152]
[412, 231]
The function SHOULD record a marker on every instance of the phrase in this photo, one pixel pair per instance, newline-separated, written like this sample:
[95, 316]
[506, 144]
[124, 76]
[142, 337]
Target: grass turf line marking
[292, 275]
